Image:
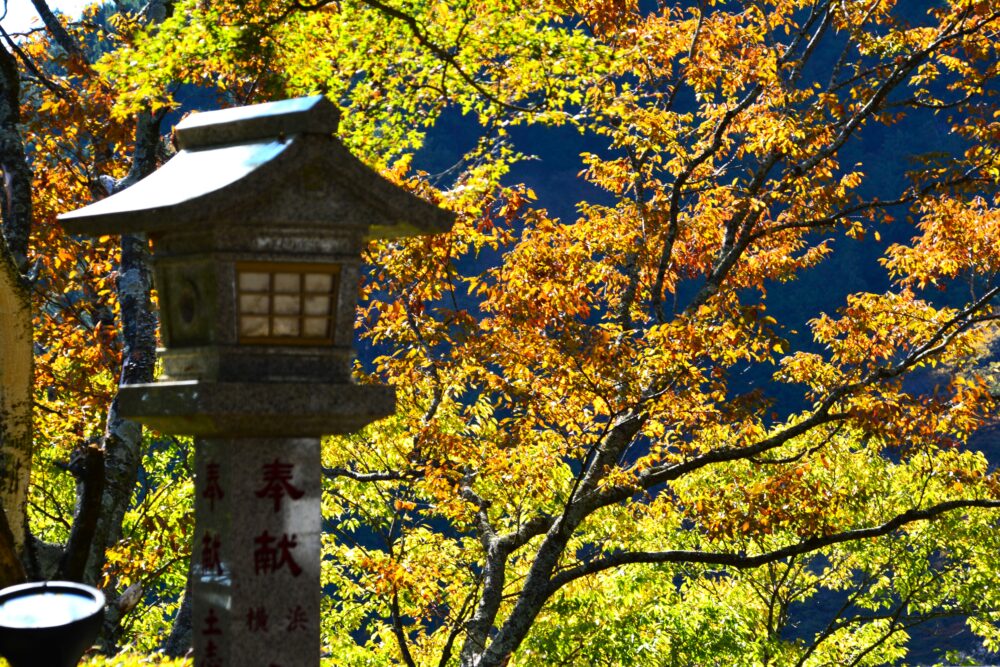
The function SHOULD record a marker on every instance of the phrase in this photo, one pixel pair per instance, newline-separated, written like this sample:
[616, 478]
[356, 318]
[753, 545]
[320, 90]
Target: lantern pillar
[256, 549]
[256, 557]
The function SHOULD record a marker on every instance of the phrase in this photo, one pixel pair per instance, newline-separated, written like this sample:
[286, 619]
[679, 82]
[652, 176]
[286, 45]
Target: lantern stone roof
[261, 165]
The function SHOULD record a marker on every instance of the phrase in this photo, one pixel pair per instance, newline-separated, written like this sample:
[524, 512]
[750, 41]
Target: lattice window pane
[287, 282]
[254, 281]
[319, 282]
[255, 304]
[252, 326]
[316, 327]
[287, 303]
[316, 305]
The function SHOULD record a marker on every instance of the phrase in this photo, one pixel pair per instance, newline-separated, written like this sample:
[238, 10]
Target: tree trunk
[122, 449]
[179, 642]
[15, 397]
[87, 466]
[123, 437]
[15, 310]
[11, 569]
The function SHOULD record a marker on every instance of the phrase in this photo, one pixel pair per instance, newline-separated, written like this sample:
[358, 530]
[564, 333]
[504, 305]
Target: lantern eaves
[235, 164]
[153, 204]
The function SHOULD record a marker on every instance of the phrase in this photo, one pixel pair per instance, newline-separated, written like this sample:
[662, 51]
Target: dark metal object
[49, 624]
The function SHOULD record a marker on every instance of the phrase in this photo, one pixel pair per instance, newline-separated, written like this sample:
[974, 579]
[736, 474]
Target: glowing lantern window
[287, 303]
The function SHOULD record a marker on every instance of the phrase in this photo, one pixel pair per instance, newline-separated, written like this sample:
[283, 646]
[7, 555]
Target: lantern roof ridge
[270, 120]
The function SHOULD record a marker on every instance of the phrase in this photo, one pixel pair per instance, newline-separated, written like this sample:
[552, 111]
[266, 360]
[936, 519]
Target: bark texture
[11, 569]
[15, 398]
[123, 437]
[122, 447]
[87, 466]
[59, 34]
[15, 310]
[178, 643]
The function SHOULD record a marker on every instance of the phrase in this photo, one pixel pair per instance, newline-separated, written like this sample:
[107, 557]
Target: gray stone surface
[256, 554]
[302, 115]
[267, 189]
[229, 409]
[174, 193]
[245, 363]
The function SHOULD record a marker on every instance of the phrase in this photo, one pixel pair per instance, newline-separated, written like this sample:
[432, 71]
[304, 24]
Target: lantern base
[255, 409]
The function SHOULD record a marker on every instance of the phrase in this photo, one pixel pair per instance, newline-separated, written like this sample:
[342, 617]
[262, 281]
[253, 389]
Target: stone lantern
[257, 226]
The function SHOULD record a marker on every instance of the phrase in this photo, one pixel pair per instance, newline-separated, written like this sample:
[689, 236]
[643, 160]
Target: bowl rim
[93, 595]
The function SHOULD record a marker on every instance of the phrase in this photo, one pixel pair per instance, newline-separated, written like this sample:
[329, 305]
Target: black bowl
[49, 624]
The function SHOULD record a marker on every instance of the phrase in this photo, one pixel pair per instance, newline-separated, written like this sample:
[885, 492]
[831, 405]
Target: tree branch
[477, 628]
[443, 55]
[15, 203]
[59, 34]
[729, 254]
[56, 89]
[87, 466]
[742, 561]
[455, 630]
[676, 191]
[560, 529]
[822, 415]
[400, 633]
[827, 13]
[380, 476]
[862, 207]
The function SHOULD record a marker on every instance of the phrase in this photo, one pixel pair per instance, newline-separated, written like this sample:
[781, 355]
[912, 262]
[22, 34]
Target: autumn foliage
[652, 431]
